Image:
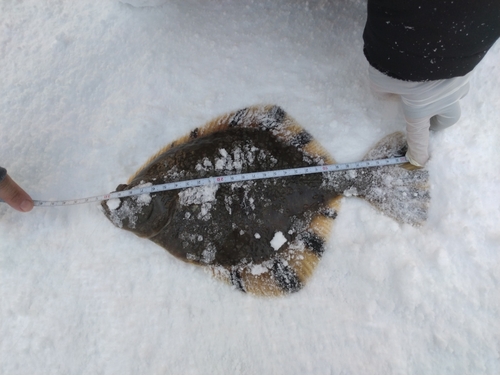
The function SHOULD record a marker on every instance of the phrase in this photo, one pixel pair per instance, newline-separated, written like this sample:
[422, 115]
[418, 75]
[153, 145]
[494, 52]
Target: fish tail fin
[398, 192]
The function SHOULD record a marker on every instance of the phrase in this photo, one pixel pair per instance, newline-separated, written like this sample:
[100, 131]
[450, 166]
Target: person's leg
[433, 105]
[417, 136]
[447, 117]
[422, 101]
[417, 123]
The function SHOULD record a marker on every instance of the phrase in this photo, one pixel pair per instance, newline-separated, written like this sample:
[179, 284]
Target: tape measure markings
[225, 179]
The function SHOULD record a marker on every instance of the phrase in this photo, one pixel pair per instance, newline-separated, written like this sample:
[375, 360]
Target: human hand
[13, 195]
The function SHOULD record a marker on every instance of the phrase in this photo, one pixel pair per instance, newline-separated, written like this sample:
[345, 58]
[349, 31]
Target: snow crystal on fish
[278, 241]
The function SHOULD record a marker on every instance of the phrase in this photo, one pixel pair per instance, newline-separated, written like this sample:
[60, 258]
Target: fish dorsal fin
[263, 117]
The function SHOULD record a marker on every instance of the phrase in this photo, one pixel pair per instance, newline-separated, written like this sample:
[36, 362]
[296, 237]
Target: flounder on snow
[262, 236]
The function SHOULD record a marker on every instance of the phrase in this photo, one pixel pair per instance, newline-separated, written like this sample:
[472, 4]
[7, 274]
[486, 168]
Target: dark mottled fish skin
[194, 134]
[301, 139]
[261, 207]
[230, 227]
[285, 277]
[314, 242]
[237, 281]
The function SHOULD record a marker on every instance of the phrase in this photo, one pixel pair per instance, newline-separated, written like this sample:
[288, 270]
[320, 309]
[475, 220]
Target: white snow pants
[427, 105]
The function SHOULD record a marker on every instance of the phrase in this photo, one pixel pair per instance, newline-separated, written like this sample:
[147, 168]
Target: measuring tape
[226, 179]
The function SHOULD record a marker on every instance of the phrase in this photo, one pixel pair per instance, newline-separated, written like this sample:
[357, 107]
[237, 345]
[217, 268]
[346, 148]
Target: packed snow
[277, 241]
[204, 196]
[90, 90]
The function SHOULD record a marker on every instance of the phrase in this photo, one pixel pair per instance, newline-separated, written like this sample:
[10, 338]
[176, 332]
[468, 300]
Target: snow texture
[91, 89]
[204, 196]
[278, 241]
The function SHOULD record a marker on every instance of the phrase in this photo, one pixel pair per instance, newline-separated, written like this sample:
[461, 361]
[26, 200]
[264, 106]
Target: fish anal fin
[304, 264]
[262, 284]
[322, 226]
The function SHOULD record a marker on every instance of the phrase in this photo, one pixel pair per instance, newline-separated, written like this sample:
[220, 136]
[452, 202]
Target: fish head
[145, 215]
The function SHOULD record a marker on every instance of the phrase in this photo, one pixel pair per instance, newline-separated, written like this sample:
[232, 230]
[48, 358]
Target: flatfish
[262, 236]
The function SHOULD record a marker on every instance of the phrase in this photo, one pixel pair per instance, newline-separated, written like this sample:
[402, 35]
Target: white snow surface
[91, 89]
